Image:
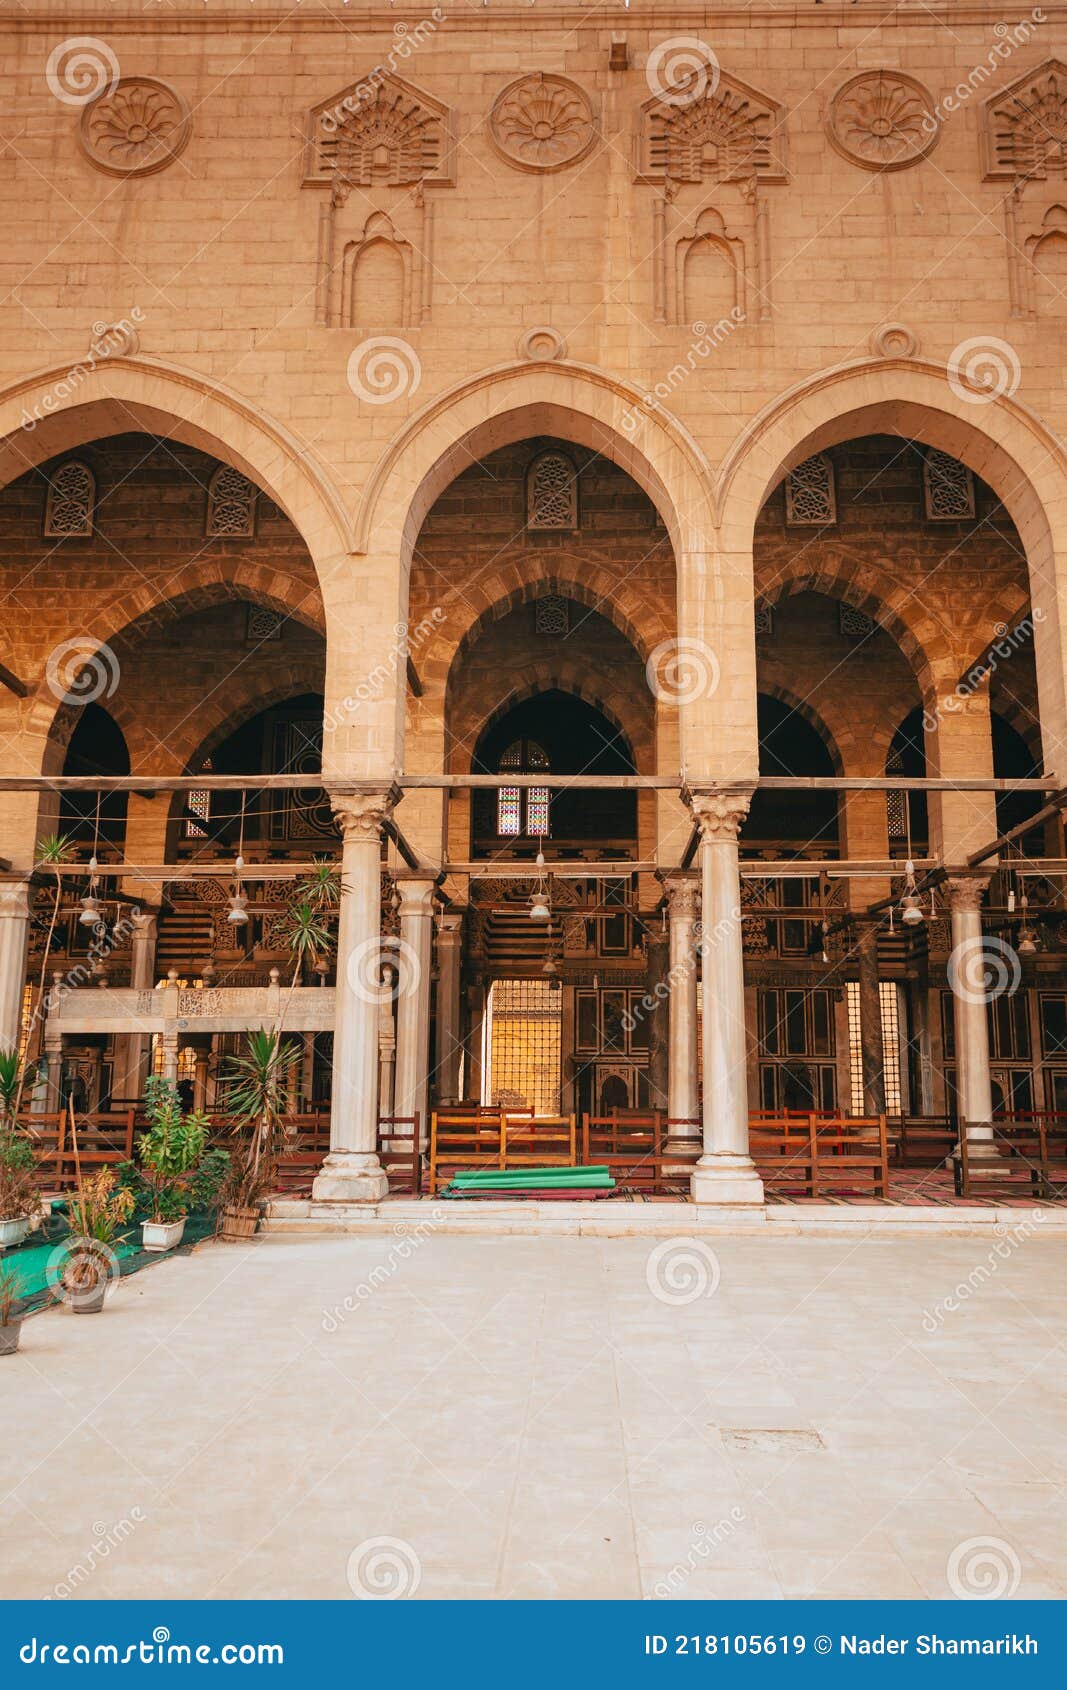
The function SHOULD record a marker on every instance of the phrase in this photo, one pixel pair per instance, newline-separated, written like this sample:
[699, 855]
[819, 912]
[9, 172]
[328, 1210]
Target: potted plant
[177, 1169]
[96, 1212]
[259, 1099]
[10, 1313]
[19, 1201]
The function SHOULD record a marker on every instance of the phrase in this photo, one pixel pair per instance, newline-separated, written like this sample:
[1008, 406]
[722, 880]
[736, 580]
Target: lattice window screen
[810, 498]
[855, 624]
[948, 488]
[231, 503]
[71, 499]
[525, 1029]
[552, 492]
[551, 615]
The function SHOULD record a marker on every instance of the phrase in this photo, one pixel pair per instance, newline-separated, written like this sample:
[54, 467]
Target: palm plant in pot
[177, 1169]
[97, 1211]
[259, 1098]
[10, 1312]
[18, 1192]
[262, 1077]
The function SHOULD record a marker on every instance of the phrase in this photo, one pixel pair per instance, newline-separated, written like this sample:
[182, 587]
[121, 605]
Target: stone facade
[388, 266]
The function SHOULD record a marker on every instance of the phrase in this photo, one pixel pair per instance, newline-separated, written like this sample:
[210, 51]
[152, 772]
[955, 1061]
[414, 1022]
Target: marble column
[472, 1076]
[415, 959]
[683, 1078]
[726, 1174]
[352, 1172]
[977, 966]
[14, 940]
[872, 1055]
[657, 996]
[449, 1048]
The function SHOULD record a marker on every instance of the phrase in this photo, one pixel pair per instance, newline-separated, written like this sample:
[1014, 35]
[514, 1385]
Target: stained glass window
[518, 812]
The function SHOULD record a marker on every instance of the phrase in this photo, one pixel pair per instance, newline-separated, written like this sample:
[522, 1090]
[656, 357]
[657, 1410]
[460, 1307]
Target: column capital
[966, 892]
[450, 926]
[720, 811]
[416, 893]
[683, 896]
[360, 814]
[14, 900]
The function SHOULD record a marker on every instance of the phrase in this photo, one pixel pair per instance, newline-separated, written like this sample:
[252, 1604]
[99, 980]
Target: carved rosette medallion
[137, 126]
[542, 122]
[883, 120]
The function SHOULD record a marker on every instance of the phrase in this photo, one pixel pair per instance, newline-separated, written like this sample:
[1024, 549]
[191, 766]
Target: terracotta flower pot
[9, 1337]
[161, 1235]
[238, 1223]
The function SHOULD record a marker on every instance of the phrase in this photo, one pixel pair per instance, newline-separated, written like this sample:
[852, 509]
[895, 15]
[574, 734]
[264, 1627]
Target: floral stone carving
[542, 122]
[137, 126]
[883, 120]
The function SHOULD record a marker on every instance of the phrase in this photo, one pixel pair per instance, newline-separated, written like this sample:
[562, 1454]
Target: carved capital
[360, 814]
[966, 893]
[719, 814]
[683, 900]
[14, 900]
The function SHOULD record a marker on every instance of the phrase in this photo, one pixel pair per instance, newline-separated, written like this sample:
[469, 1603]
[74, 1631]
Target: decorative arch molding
[128, 618]
[223, 711]
[910, 397]
[58, 410]
[587, 581]
[925, 646]
[574, 679]
[512, 402]
[770, 688]
[1000, 439]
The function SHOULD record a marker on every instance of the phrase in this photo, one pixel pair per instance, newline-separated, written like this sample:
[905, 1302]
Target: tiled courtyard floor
[526, 1417]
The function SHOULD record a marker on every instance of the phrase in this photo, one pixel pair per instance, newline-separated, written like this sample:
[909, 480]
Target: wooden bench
[1029, 1160]
[100, 1140]
[400, 1152]
[819, 1154]
[781, 1147]
[629, 1143]
[463, 1139]
[922, 1141]
[851, 1156]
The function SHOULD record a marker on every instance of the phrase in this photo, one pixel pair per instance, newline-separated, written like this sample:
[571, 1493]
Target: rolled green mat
[518, 1175]
[598, 1183]
[562, 1175]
